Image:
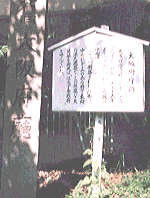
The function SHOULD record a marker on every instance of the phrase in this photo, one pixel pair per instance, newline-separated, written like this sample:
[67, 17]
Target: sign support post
[98, 143]
[97, 148]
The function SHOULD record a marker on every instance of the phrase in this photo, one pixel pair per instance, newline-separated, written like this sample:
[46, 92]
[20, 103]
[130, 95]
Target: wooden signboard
[98, 70]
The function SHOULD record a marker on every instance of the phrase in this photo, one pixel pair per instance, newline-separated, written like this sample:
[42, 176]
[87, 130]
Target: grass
[118, 185]
[135, 185]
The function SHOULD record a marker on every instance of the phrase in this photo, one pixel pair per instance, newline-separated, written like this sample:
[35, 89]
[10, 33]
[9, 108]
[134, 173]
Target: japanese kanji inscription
[22, 127]
[106, 75]
[23, 96]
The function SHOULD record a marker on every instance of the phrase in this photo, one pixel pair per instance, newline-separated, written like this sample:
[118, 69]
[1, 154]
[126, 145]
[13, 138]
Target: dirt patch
[57, 183]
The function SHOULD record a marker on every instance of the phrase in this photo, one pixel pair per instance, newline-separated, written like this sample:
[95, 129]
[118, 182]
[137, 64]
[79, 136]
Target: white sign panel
[98, 73]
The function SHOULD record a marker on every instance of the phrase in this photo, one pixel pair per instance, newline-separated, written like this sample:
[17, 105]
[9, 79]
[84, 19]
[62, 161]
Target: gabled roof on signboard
[97, 30]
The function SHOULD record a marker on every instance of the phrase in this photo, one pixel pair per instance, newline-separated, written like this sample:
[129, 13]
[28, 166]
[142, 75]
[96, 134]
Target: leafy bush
[90, 180]
[3, 50]
[136, 186]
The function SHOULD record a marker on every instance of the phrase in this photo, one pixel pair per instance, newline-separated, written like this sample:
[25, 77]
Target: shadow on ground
[63, 178]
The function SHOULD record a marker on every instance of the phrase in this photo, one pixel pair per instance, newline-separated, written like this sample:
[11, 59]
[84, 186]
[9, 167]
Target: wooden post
[23, 97]
[97, 149]
[98, 142]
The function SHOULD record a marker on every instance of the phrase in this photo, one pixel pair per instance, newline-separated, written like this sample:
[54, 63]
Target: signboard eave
[100, 31]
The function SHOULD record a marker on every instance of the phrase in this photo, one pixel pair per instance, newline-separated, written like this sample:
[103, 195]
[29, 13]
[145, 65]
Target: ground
[63, 182]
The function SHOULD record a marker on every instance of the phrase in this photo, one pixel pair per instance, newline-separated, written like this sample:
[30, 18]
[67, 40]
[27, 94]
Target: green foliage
[88, 151]
[137, 185]
[88, 162]
[90, 180]
[3, 50]
[52, 35]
